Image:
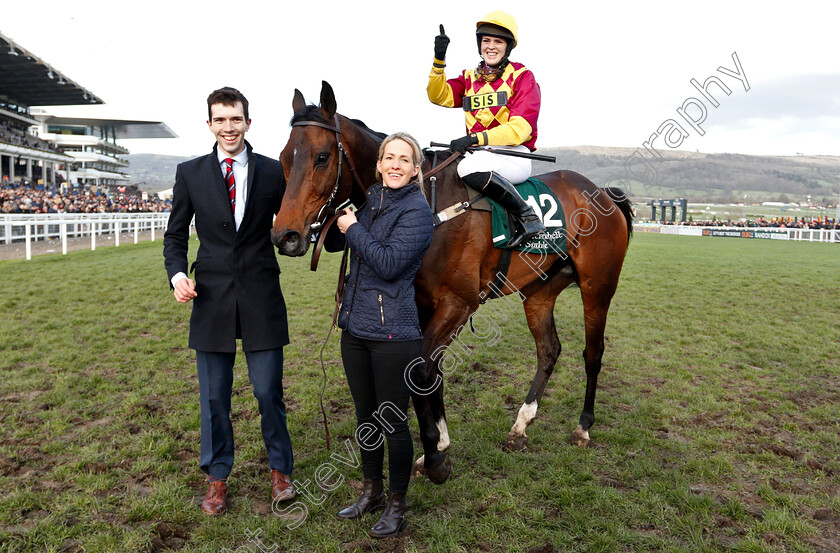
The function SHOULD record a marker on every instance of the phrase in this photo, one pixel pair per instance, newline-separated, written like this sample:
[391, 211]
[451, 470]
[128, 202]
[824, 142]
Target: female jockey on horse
[501, 100]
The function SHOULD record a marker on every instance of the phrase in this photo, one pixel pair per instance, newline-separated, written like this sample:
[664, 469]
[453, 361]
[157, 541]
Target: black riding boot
[393, 519]
[371, 499]
[500, 190]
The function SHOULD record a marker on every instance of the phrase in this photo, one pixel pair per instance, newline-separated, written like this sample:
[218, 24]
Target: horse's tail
[625, 205]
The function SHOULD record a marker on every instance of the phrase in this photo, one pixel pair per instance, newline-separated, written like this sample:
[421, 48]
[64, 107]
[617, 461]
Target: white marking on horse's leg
[443, 441]
[580, 437]
[527, 414]
[419, 467]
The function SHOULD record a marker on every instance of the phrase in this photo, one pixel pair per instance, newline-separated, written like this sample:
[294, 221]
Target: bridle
[342, 153]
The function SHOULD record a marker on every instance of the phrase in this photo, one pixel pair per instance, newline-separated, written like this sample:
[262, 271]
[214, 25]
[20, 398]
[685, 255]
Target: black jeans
[374, 372]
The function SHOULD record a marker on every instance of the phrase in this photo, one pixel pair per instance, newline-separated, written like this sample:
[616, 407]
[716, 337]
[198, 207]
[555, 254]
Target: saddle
[536, 193]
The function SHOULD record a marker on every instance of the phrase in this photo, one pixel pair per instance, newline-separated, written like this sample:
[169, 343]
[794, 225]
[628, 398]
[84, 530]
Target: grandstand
[40, 150]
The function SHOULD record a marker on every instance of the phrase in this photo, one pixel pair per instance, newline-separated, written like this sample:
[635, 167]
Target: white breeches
[514, 169]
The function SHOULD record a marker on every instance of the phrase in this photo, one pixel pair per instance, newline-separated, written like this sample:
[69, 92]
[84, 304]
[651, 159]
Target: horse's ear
[298, 103]
[327, 99]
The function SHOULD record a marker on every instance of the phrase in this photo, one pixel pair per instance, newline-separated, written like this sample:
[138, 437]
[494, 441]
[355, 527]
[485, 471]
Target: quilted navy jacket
[393, 233]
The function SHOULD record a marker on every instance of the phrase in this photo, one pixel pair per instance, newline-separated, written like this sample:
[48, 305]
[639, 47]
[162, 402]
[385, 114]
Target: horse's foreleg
[427, 391]
[426, 378]
[434, 434]
[539, 310]
[595, 307]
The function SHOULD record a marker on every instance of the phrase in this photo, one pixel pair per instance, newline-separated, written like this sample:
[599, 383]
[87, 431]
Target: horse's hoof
[516, 442]
[441, 472]
[419, 468]
[580, 437]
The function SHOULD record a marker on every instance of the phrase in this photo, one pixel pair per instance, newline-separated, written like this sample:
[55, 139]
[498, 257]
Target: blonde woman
[381, 332]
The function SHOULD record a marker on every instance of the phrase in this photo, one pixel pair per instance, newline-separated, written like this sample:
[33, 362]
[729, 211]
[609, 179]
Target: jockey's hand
[460, 145]
[344, 222]
[184, 290]
[441, 43]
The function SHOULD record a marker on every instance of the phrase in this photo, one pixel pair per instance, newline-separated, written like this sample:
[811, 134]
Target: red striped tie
[231, 183]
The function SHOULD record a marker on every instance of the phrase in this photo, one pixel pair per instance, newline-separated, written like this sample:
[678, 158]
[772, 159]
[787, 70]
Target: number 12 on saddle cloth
[545, 204]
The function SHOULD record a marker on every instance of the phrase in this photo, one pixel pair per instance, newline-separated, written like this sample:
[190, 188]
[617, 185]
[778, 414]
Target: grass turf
[716, 417]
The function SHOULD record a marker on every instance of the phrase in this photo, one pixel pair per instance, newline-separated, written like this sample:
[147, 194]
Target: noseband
[342, 153]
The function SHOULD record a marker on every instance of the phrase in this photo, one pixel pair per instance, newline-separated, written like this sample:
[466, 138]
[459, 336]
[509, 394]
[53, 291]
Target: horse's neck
[363, 150]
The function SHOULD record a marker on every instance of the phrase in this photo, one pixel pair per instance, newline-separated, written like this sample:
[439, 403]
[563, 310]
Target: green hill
[699, 177]
[702, 177]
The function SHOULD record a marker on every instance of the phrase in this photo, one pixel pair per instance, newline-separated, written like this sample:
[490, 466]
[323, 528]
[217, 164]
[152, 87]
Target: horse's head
[315, 179]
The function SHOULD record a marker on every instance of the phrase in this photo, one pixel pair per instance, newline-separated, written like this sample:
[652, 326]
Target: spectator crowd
[789, 222]
[24, 199]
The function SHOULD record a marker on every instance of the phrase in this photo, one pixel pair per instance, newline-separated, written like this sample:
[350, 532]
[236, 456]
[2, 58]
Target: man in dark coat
[233, 194]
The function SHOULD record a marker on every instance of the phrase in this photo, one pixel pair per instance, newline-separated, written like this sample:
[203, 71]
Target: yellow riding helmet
[498, 24]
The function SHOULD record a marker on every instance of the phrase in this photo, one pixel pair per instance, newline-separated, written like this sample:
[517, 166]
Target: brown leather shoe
[215, 502]
[281, 486]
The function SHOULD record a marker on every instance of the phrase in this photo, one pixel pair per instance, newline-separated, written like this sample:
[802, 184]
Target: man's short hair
[226, 96]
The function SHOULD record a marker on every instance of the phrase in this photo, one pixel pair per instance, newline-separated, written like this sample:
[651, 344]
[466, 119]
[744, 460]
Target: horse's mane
[309, 113]
[314, 113]
[376, 135]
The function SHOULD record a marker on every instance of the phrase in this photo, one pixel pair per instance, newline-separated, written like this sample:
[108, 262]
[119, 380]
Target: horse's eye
[321, 159]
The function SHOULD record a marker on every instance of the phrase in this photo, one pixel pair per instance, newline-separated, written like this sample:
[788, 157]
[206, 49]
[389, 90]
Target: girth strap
[501, 275]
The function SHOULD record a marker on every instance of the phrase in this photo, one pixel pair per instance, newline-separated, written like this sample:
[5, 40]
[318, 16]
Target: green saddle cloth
[546, 206]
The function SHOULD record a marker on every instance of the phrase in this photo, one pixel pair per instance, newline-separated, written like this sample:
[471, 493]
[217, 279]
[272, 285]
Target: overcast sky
[611, 73]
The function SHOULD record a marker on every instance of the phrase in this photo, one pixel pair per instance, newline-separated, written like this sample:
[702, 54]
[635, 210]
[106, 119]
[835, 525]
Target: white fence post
[29, 228]
[28, 241]
[798, 234]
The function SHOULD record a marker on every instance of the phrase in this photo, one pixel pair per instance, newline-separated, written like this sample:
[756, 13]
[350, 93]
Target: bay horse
[462, 267]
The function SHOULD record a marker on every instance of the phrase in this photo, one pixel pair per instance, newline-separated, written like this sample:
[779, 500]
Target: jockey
[501, 100]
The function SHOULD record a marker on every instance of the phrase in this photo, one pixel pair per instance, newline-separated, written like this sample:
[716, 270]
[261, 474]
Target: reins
[316, 253]
[435, 170]
[322, 235]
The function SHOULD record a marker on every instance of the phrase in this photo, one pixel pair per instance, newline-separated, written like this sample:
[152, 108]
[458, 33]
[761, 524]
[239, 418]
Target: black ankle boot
[393, 519]
[500, 190]
[371, 499]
